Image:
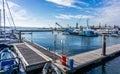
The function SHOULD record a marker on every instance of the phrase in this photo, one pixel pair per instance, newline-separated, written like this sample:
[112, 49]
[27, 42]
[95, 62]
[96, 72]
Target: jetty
[85, 59]
[20, 32]
[34, 56]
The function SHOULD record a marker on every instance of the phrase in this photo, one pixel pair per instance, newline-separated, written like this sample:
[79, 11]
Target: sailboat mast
[10, 14]
[0, 22]
[4, 18]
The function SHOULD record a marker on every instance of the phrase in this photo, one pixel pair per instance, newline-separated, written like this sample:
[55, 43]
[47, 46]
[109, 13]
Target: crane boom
[58, 25]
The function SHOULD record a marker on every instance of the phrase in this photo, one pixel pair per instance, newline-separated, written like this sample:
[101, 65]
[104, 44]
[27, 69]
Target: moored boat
[9, 62]
[50, 68]
[88, 32]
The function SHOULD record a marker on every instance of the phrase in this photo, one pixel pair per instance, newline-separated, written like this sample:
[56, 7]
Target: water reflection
[85, 41]
[78, 44]
[98, 70]
[72, 44]
[110, 67]
[103, 68]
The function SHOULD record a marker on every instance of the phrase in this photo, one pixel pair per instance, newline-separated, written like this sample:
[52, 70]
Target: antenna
[87, 22]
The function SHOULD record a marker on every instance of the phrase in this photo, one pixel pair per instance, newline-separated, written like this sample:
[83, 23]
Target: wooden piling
[103, 45]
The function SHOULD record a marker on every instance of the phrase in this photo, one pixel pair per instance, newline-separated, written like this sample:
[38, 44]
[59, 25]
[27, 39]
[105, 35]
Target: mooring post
[103, 45]
[20, 36]
[31, 37]
[62, 47]
[55, 38]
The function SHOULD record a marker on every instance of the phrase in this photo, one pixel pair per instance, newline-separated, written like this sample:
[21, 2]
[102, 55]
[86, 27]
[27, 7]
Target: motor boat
[9, 62]
[50, 68]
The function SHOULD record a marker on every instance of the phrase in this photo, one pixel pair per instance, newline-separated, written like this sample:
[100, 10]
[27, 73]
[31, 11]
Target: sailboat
[6, 38]
[9, 61]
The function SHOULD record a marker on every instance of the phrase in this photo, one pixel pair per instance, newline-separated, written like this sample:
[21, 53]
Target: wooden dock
[87, 58]
[33, 56]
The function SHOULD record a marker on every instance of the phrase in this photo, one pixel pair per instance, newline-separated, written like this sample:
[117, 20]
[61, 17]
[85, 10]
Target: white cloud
[19, 14]
[107, 14]
[17, 11]
[63, 16]
[110, 13]
[68, 3]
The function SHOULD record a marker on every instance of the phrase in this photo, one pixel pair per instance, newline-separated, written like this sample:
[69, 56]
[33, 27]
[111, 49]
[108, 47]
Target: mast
[0, 22]
[4, 19]
[87, 23]
[10, 14]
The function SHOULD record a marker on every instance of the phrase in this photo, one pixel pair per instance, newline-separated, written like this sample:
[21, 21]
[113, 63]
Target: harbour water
[110, 67]
[71, 44]
[77, 44]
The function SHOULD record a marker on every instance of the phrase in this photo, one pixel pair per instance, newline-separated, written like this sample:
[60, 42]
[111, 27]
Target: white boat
[88, 32]
[50, 68]
[9, 62]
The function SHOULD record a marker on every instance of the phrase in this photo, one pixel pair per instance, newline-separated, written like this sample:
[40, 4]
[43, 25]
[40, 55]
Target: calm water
[111, 67]
[77, 44]
[71, 44]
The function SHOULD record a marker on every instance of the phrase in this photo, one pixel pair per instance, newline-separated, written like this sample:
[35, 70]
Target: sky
[45, 13]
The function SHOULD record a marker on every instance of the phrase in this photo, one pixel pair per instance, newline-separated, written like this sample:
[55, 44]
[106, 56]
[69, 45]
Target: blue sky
[44, 13]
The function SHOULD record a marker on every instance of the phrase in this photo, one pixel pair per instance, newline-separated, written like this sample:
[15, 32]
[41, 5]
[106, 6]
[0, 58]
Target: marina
[61, 42]
[34, 56]
[89, 55]
[42, 55]
[95, 54]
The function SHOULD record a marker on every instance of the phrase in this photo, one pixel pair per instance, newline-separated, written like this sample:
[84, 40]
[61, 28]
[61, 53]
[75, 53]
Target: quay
[33, 56]
[85, 59]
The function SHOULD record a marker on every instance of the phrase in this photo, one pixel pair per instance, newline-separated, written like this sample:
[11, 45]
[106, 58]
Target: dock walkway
[53, 55]
[87, 58]
[33, 56]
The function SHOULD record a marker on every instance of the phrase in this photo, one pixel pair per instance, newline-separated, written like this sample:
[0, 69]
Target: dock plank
[83, 59]
[28, 54]
[43, 50]
[34, 60]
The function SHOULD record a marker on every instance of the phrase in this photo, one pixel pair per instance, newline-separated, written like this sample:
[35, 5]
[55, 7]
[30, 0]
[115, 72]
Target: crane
[58, 25]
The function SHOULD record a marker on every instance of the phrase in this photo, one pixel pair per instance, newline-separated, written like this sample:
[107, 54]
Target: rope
[10, 14]
[9, 22]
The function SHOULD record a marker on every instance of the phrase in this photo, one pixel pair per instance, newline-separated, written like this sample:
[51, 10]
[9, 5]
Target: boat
[73, 31]
[7, 36]
[2, 46]
[50, 68]
[88, 33]
[9, 62]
